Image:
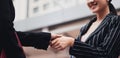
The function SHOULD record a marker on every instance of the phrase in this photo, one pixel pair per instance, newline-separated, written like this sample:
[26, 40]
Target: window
[36, 9]
[36, 0]
[46, 6]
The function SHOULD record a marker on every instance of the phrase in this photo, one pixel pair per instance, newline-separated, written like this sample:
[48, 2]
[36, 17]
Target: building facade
[20, 9]
[31, 8]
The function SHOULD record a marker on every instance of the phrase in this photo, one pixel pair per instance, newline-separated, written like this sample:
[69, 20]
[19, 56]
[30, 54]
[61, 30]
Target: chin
[95, 11]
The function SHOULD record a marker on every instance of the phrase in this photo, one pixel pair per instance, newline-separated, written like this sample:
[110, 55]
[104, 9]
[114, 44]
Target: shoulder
[114, 21]
[114, 17]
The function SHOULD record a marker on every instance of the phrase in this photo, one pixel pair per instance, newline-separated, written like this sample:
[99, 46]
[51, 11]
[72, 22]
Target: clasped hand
[60, 42]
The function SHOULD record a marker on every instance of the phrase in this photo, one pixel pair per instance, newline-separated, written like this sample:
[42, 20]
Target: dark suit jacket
[104, 42]
[8, 40]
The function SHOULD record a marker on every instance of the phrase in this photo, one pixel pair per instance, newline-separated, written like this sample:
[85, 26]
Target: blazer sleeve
[4, 21]
[109, 46]
[38, 40]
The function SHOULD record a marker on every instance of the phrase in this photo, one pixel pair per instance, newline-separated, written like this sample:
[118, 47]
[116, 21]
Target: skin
[100, 8]
[62, 42]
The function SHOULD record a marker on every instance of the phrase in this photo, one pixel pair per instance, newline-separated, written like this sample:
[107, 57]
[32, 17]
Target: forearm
[38, 40]
[80, 48]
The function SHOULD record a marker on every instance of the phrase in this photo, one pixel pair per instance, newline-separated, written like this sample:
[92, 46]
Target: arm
[107, 48]
[38, 40]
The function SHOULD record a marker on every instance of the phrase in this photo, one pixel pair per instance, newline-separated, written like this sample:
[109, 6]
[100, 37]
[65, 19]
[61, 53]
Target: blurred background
[56, 16]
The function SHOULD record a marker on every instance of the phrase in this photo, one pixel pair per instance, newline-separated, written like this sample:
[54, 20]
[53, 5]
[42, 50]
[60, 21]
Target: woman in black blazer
[11, 41]
[100, 38]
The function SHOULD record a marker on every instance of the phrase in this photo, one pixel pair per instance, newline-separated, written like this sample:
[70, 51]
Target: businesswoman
[11, 41]
[100, 38]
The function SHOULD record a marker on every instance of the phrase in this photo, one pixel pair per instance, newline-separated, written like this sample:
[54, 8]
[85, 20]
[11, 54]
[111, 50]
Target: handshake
[60, 42]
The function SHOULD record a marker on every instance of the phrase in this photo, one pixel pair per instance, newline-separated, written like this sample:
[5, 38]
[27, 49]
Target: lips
[92, 5]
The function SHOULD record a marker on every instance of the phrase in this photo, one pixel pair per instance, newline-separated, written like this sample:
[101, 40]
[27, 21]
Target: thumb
[54, 36]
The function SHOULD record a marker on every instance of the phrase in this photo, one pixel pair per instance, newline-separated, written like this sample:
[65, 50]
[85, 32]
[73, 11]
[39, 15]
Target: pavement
[50, 53]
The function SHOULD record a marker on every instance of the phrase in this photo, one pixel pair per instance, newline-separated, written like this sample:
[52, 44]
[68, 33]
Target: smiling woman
[100, 38]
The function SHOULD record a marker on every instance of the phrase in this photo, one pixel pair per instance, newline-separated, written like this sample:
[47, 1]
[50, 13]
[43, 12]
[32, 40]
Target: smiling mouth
[93, 5]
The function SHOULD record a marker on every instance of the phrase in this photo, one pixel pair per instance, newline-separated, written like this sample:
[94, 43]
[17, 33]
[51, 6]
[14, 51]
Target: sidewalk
[50, 53]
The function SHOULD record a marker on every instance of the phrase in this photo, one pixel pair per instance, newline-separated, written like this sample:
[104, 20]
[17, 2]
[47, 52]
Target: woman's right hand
[62, 42]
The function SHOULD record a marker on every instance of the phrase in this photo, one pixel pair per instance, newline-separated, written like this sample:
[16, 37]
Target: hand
[54, 36]
[62, 42]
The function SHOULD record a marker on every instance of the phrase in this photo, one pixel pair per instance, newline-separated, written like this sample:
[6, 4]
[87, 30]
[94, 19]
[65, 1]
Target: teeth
[90, 0]
[95, 3]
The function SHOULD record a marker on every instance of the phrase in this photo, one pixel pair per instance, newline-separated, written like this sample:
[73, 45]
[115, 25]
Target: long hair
[112, 8]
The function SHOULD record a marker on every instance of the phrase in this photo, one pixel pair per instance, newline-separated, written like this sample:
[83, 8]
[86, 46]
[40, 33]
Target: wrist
[72, 41]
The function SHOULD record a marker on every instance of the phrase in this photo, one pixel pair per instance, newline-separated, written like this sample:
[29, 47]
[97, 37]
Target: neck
[101, 14]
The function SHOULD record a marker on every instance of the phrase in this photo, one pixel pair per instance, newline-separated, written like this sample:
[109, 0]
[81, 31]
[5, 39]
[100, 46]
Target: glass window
[36, 0]
[36, 9]
[46, 6]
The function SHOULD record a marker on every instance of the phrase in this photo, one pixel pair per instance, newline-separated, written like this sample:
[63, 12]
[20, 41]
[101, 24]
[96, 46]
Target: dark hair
[112, 8]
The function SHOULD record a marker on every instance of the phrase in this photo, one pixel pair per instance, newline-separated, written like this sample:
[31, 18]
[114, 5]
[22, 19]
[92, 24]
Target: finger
[57, 36]
[60, 48]
[55, 44]
[54, 36]
[57, 47]
[55, 41]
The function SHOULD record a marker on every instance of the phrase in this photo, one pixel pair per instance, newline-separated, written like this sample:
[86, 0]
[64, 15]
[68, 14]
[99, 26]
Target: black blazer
[104, 42]
[8, 40]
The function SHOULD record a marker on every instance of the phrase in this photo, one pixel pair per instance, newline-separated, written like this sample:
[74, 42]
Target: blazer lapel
[102, 25]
